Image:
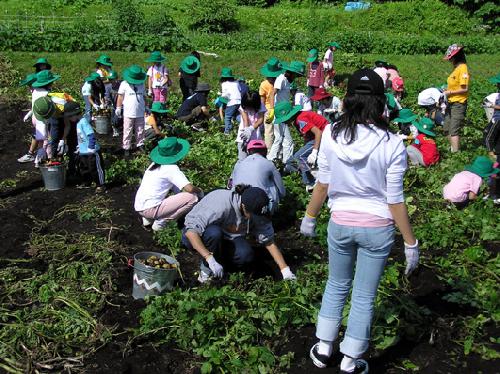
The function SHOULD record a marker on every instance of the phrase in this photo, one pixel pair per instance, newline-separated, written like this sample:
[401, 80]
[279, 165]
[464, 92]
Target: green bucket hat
[313, 55]
[134, 75]
[226, 73]
[272, 68]
[495, 79]
[43, 108]
[156, 56]
[391, 101]
[190, 64]
[425, 125]
[483, 167]
[42, 60]
[44, 78]
[113, 75]
[405, 116]
[284, 110]
[169, 151]
[104, 60]
[28, 81]
[92, 77]
[297, 67]
[159, 107]
[334, 44]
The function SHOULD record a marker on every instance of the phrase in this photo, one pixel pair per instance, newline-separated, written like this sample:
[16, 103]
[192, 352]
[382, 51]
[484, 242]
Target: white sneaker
[116, 133]
[146, 222]
[159, 224]
[28, 157]
[496, 201]
[310, 188]
[204, 277]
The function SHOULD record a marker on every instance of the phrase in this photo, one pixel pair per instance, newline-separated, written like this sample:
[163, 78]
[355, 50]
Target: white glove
[102, 106]
[308, 226]
[95, 106]
[287, 274]
[402, 136]
[90, 150]
[62, 148]
[216, 268]
[150, 93]
[118, 112]
[488, 104]
[311, 159]
[247, 133]
[411, 254]
[27, 117]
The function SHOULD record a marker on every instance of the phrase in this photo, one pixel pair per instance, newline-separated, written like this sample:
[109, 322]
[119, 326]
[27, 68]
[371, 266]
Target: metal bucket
[102, 124]
[54, 177]
[149, 281]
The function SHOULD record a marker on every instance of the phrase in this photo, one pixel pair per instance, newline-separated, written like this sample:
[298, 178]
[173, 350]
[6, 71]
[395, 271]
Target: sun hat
[482, 166]
[256, 144]
[284, 110]
[112, 75]
[334, 44]
[313, 55]
[42, 60]
[226, 73]
[159, 107]
[365, 82]
[495, 79]
[391, 101]
[202, 87]
[405, 116]
[452, 51]
[297, 67]
[398, 84]
[320, 94]
[43, 108]
[169, 151]
[255, 200]
[190, 64]
[156, 56]
[104, 60]
[241, 78]
[92, 77]
[71, 108]
[272, 68]
[381, 63]
[425, 125]
[44, 78]
[134, 75]
[28, 80]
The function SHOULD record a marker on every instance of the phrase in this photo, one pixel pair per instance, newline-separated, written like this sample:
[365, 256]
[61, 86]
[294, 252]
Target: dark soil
[22, 205]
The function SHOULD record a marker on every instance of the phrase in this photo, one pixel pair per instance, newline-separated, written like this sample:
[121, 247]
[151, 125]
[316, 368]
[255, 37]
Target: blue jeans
[236, 252]
[299, 162]
[369, 248]
[230, 113]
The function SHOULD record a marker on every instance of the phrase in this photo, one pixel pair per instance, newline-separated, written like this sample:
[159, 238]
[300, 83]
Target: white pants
[282, 138]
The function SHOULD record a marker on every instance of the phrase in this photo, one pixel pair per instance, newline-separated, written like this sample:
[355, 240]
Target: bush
[213, 16]
[127, 16]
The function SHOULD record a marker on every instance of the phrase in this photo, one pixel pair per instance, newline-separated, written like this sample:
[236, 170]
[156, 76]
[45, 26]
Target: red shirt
[316, 75]
[428, 148]
[306, 121]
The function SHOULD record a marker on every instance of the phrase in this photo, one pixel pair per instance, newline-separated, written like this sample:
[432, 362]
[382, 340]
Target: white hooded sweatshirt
[366, 175]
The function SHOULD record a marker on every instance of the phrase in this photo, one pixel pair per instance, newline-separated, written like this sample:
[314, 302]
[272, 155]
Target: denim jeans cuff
[327, 329]
[353, 347]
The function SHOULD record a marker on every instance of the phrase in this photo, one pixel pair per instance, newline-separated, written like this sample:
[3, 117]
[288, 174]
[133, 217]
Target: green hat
[495, 79]
[112, 75]
[28, 81]
[42, 60]
[334, 44]
[391, 101]
[226, 73]
[190, 64]
[134, 75]
[223, 100]
[43, 108]
[44, 78]
[425, 125]
[104, 60]
[405, 116]
[284, 110]
[92, 77]
[313, 55]
[159, 107]
[482, 166]
[272, 68]
[169, 151]
[381, 62]
[156, 56]
[297, 67]
[241, 78]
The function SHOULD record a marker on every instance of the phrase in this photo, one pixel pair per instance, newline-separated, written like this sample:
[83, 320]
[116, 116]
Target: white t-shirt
[36, 94]
[133, 100]
[283, 86]
[231, 91]
[159, 75]
[86, 89]
[302, 100]
[156, 184]
[429, 96]
[252, 118]
[328, 59]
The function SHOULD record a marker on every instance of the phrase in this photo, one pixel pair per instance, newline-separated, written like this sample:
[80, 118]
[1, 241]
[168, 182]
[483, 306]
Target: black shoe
[360, 368]
[320, 361]
[126, 153]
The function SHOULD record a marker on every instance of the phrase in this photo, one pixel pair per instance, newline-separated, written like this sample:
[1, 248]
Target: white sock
[325, 348]
[348, 364]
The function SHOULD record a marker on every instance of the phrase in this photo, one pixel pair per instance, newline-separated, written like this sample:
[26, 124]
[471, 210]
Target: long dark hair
[360, 110]
[459, 58]
[97, 89]
[251, 100]
[240, 188]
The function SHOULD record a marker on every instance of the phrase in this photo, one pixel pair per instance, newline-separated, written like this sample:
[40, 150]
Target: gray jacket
[222, 208]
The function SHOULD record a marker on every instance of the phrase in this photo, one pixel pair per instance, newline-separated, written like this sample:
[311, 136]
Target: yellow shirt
[266, 90]
[458, 78]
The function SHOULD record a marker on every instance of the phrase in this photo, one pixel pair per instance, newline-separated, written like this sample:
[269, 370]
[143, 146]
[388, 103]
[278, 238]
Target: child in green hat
[315, 72]
[155, 121]
[103, 66]
[189, 72]
[271, 70]
[406, 123]
[465, 186]
[158, 77]
[30, 156]
[42, 64]
[424, 150]
[231, 91]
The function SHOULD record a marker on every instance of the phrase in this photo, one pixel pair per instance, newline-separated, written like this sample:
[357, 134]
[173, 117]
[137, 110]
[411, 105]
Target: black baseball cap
[365, 82]
[255, 200]
[71, 108]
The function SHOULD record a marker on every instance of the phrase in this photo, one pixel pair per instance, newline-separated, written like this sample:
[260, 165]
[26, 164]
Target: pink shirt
[461, 184]
[360, 219]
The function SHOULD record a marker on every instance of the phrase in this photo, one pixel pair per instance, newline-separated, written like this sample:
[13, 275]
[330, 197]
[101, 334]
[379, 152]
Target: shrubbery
[213, 16]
